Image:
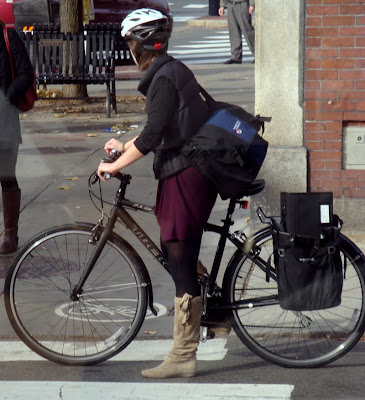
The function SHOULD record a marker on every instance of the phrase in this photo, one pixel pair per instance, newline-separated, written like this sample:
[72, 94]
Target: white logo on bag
[307, 259]
[236, 127]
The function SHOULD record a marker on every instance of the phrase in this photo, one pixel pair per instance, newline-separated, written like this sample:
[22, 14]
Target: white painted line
[184, 19]
[206, 61]
[216, 60]
[196, 6]
[182, 54]
[211, 41]
[141, 391]
[198, 51]
[215, 37]
[138, 350]
[203, 46]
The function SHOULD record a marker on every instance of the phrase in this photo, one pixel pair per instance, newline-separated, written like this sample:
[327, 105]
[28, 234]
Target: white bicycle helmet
[148, 27]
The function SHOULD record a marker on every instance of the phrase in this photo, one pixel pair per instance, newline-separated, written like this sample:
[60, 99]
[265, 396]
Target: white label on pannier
[325, 214]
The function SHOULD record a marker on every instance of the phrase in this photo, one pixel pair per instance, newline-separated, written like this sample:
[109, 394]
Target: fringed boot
[181, 360]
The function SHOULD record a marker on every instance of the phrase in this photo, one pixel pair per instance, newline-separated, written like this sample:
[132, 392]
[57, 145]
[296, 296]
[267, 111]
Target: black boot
[11, 208]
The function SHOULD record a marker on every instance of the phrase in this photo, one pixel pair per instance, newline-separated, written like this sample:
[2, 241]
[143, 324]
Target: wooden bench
[64, 58]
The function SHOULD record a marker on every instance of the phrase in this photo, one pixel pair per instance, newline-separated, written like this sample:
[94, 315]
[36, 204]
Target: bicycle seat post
[227, 222]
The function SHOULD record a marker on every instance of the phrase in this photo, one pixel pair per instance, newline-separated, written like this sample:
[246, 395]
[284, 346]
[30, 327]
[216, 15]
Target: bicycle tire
[106, 317]
[295, 339]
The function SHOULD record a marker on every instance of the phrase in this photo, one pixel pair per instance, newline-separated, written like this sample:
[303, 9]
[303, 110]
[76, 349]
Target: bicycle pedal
[206, 334]
[203, 334]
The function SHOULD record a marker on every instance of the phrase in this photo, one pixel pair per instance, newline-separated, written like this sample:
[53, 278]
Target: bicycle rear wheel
[101, 322]
[290, 338]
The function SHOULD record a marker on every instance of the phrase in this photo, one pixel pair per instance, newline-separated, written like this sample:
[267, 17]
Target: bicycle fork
[100, 243]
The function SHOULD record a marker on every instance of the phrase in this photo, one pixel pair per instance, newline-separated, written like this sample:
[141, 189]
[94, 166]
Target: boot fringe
[181, 361]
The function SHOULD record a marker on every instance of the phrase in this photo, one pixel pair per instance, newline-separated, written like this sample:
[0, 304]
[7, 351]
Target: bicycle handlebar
[113, 156]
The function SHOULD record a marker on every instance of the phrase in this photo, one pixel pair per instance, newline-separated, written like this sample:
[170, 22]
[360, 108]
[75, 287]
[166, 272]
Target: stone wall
[310, 77]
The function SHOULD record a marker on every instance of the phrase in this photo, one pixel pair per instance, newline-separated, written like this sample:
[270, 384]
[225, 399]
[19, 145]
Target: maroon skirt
[183, 204]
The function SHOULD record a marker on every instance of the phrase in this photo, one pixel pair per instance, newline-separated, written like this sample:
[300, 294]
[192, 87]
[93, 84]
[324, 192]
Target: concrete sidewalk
[63, 145]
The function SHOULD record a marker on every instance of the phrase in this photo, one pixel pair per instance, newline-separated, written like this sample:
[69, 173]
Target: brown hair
[144, 57]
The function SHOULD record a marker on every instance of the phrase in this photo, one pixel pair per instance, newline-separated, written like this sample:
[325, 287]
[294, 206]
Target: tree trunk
[71, 21]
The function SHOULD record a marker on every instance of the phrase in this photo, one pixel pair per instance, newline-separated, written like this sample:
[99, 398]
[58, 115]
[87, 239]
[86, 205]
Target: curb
[209, 22]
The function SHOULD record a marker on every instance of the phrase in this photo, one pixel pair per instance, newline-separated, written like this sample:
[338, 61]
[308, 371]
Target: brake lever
[113, 156]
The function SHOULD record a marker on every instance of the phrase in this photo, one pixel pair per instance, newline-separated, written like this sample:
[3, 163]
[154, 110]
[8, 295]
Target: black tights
[8, 159]
[183, 256]
[9, 184]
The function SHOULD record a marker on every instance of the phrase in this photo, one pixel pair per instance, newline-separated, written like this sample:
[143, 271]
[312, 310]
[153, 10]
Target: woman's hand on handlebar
[130, 155]
[114, 144]
[108, 168]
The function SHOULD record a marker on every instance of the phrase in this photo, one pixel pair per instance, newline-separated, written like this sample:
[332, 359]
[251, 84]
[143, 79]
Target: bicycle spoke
[291, 338]
[86, 330]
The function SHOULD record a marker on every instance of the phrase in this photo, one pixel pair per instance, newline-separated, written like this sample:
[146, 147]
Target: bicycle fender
[146, 275]
[354, 251]
[351, 246]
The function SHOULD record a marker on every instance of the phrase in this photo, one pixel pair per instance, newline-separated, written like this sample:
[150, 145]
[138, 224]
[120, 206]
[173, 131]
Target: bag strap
[257, 118]
[206, 95]
[7, 42]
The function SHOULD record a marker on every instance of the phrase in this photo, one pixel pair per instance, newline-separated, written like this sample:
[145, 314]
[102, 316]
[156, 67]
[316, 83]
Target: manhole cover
[35, 267]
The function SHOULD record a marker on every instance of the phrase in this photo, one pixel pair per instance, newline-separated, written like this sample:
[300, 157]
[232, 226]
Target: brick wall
[334, 91]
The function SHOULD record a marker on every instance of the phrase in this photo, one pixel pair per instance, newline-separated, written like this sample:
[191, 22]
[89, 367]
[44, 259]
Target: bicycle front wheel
[101, 322]
[291, 338]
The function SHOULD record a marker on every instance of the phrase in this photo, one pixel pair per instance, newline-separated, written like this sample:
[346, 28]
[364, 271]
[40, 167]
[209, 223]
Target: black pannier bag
[308, 266]
[306, 214]
[228, 149]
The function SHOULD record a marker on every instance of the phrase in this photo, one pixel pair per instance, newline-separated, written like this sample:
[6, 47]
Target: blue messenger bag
[228, 149]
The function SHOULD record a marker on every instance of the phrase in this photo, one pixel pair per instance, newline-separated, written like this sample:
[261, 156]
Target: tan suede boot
[181, 360]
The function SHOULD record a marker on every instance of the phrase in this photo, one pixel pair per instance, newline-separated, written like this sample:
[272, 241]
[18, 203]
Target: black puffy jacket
[187, 113]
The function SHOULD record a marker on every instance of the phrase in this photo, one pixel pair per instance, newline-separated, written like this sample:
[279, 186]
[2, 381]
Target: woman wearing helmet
[185, 198]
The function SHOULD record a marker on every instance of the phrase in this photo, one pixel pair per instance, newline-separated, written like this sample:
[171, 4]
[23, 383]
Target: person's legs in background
[235, 35]
[11, 195]
[244, 21]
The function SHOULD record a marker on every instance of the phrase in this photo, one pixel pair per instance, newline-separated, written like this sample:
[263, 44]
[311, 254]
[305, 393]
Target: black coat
[24, 71]
[175, 111]
[10, 136]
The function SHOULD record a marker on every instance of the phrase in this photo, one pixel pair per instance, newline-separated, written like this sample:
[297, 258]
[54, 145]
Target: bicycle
[78, 294]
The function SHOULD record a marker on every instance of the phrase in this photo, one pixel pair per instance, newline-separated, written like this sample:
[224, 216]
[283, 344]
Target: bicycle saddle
[252, 189]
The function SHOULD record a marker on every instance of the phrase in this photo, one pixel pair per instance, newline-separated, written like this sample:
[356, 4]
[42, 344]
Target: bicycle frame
[119, 212]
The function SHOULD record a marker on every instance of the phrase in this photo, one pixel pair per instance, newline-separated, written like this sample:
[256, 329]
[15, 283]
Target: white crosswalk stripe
[196, 6]
[210, 50]
[183, 18]
[138, 350]
[141, 391]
